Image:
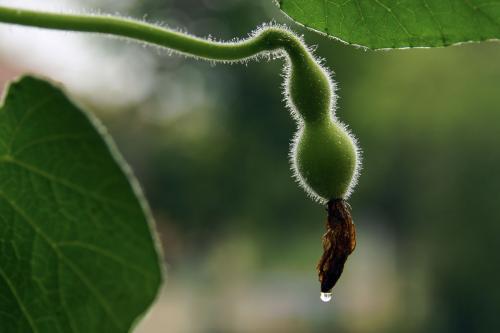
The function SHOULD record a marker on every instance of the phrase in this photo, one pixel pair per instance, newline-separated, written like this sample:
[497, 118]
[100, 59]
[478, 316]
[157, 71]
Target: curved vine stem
[268, 39]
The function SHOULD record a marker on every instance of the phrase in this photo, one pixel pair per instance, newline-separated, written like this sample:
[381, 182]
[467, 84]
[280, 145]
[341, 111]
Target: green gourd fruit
[324, 155]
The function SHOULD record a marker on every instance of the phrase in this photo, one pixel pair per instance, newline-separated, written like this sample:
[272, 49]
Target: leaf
[76, 249]
[399, 23]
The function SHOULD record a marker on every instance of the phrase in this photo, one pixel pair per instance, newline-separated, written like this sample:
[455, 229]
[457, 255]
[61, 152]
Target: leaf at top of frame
[379, 24]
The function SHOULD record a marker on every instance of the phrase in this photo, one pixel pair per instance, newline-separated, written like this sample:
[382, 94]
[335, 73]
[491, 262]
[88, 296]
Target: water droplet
[326, 297]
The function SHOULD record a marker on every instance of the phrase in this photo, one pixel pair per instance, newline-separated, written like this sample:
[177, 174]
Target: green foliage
[77, 254]
[398, 24]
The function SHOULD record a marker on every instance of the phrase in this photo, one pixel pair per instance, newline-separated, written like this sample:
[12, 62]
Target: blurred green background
[210, 144]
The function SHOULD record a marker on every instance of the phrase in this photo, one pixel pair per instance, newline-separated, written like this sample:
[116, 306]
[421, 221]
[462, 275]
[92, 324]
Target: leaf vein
[23, 309]
[52, 178]
[68, 262]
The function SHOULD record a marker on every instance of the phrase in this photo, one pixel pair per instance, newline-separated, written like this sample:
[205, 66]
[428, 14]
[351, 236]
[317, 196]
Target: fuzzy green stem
[268, 40]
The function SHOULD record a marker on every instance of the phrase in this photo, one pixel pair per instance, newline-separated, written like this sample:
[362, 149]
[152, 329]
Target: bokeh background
[209, 145]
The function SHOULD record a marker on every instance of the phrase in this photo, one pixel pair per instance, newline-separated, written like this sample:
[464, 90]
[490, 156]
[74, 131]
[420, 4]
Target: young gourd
[324, 155]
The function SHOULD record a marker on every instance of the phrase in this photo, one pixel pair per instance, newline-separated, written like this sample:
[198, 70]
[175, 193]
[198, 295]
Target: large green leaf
[76, 249]
[399, 23]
